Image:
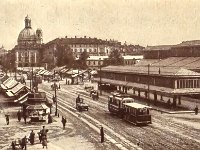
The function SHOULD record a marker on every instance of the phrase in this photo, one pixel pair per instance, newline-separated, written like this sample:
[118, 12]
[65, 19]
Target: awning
[10, 94]
[37, 107]
[3, 86]
[22, 99]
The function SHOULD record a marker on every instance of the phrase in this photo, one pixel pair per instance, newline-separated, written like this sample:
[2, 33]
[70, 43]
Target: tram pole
[100, 76]
[56, 112]
[148, 85]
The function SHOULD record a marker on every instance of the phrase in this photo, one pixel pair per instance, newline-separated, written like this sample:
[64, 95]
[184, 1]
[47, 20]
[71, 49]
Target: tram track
[120, 141]
[154, 136]
[171, 125]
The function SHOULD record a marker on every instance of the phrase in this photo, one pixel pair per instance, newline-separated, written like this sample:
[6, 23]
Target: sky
[143, 22]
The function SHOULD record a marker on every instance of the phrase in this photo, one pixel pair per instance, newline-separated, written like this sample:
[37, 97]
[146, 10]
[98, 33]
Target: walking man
[63, 122]
[24, 142]
[102, 134]
[19, 115]
[7, 119]
[32, 137]
[196, 110]
[24, 117]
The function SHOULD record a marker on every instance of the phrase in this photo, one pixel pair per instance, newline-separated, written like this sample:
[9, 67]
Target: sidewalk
[58, 139]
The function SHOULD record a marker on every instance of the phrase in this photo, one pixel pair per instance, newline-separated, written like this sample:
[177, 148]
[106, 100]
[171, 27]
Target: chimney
[84, 36]
[75, 37]
[66, 37]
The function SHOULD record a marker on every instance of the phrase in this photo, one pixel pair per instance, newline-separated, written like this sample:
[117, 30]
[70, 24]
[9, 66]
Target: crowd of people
[22, 143]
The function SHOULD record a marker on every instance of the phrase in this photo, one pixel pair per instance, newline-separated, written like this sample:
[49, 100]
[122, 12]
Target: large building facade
[28, 46]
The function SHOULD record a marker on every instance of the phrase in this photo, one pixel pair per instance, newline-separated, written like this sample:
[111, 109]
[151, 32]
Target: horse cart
[94, 94]
[80, 105]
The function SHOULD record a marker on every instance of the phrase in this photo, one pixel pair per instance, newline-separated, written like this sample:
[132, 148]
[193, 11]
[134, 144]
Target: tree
[114, 58]
[64, 56]
[81, 62]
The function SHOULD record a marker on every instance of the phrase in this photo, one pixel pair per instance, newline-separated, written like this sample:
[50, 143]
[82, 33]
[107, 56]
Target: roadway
[167, 131]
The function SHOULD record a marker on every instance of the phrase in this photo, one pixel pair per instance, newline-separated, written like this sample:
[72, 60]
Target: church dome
[27, 34]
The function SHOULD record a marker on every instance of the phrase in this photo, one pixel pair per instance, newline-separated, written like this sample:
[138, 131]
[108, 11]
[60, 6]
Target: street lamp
[100, 76]
[55, 98]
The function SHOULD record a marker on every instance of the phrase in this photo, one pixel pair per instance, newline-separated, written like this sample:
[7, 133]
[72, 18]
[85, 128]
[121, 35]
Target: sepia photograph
[99, 74]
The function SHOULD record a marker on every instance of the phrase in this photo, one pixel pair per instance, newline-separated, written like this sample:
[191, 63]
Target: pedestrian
[13, 145]
[40, 137]
[32, 137]
[24, 142]
[19, 115]
[44, 141]
[50, 120]
[78, 99]
[196, 109]
[24, 115]
[169, 103]
[7, 119]
[102, 134]
[63, 122]
[44, 132]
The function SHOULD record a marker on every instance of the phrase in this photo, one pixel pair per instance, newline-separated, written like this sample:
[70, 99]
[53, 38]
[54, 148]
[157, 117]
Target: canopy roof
[41, 106]
[162, 71]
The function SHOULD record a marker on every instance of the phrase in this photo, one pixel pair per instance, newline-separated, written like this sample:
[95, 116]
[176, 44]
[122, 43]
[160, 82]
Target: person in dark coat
[44, 132]
[40, 137]
[13, 145]
[44, 141]
[78, 99]
[102, 134]
[24, 142]
[19, 115]
[196, 109]
[169, 103]
[50, 118]
[25, 116]
[63, 122]
[7, 119]
[32, 137]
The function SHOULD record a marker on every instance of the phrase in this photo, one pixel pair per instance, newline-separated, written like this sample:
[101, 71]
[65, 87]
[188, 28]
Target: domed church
[29, 44]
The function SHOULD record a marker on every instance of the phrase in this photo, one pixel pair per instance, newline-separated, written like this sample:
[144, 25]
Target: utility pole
[32, 78]
[100, 76]
[55, 88]
[148, 84]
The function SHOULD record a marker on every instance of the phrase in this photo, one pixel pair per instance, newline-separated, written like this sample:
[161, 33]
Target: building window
[80, 50]
[85, 50]
[94, 63]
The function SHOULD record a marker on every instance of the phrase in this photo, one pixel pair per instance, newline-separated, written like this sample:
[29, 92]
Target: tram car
[125, 107]
[116, 101]
[136, 113]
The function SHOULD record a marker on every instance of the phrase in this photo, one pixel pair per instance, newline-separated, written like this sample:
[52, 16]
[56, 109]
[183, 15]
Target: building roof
[126, 57]
[97, 57]
[189, 43]
[17, 88]
[163, 71]
[158, 47]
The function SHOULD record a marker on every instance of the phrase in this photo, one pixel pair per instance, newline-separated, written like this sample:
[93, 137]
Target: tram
[137, 114]
[125, 107]
[116, 101]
